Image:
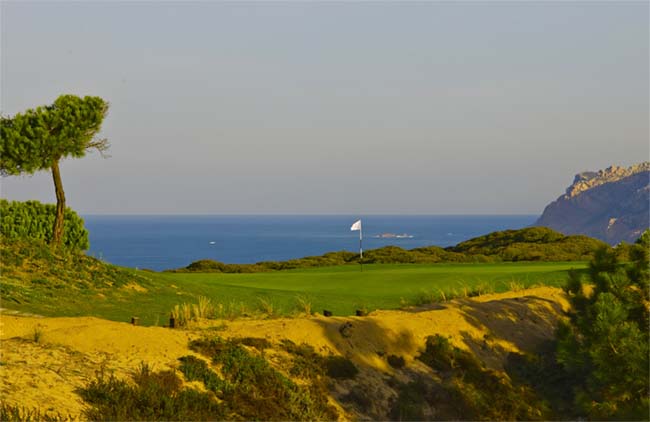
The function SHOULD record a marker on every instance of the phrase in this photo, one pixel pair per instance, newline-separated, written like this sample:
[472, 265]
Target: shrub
[396, 361]
[605, 345]
[35, 220]
[259, 392]
[410, 403]
[306, 362]
[530, 244]
[151, 396]
[195, 369]
[254, 342]
[340, 367]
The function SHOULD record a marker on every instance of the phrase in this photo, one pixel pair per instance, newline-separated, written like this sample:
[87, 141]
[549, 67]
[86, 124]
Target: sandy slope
[70, 350]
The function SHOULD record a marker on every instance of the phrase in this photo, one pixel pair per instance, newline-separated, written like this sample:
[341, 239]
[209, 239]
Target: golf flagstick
[357, 226]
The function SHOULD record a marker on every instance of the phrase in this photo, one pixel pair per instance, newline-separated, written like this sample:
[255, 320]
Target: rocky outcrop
[611, 204]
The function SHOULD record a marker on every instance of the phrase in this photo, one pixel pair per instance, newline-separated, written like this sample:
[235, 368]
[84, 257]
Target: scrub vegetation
[539, 244]
[34, 220]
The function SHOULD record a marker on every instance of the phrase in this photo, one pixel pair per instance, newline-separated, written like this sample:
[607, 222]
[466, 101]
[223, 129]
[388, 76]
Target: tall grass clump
[203, 309]
[267, 308]
[186, 313]
[231, 310]
[17, 413]
[515, 286]
[303, 305]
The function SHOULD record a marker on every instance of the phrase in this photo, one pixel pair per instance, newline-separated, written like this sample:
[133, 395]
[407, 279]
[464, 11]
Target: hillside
[389, 365]
[527, 244]
[530, 244]
[611, 205]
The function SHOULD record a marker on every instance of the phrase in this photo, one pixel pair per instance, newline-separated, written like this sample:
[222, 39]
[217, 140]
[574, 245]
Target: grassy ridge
[37, 280]
[536, 244]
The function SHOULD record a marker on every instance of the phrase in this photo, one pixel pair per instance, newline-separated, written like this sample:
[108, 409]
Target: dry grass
[186, 313]
[266, 307]
[303, 305]
[515, 286]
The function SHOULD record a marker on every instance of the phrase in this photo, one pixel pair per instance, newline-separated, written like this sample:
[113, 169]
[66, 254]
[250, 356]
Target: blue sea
[165, 242]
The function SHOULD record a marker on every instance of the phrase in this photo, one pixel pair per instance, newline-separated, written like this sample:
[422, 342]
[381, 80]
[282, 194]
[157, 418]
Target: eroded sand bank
[69, 352]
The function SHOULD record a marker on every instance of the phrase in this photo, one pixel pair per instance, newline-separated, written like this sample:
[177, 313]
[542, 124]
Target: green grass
[340, 289]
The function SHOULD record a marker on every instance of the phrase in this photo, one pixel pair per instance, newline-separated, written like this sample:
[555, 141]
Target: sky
[333, 107]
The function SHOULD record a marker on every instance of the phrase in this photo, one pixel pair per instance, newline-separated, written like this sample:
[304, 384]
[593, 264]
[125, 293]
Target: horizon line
[361, 215]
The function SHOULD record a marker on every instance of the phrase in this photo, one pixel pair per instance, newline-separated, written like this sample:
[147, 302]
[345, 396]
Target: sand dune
[45, 359]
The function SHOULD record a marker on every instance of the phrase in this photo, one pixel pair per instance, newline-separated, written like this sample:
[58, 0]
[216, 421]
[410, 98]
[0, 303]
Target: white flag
[356, 226]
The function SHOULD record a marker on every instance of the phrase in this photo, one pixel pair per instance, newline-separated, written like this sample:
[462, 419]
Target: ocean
[165, 242]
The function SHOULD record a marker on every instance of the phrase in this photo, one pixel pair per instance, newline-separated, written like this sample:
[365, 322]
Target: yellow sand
[70, 351]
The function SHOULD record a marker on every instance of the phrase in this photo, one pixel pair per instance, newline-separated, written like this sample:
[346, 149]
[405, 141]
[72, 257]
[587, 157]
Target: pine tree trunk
[57, 230]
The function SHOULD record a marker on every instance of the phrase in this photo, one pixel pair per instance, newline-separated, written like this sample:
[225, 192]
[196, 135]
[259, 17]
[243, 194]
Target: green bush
[34, 220]
[195, 369]
[256, 391]
[340, 367]
[151, 396]
[605, 346]
[530, 244]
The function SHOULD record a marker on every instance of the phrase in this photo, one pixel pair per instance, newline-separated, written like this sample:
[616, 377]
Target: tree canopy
[605, 345]
[39, 138]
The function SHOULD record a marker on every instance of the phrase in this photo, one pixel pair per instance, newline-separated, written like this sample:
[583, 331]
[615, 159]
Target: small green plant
[439, 354]
[37, 334]
[426, 297]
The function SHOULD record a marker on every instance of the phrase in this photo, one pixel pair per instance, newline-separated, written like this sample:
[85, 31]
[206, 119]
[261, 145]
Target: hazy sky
[429, 108]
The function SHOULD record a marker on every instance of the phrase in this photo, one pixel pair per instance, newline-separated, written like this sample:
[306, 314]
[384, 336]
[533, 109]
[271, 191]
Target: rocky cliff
[611, 204]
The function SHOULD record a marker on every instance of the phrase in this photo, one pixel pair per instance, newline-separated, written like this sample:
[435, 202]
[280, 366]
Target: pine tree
[605, 345]
[39, 138]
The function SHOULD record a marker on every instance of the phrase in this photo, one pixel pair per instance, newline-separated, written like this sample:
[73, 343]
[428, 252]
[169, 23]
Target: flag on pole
[357, 227]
